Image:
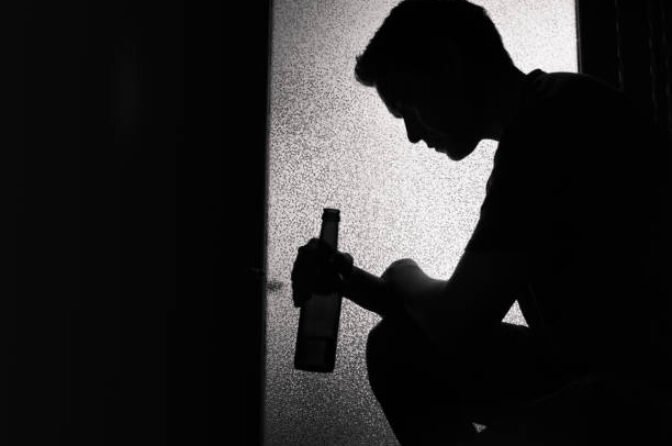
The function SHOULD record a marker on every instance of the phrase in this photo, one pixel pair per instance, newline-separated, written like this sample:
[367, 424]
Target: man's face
[443, 111]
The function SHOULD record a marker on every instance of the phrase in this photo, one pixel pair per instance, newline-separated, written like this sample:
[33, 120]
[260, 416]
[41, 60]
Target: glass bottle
[319, 318]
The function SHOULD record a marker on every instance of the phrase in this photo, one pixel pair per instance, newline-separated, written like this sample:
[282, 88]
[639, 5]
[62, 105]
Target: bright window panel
[334, 144]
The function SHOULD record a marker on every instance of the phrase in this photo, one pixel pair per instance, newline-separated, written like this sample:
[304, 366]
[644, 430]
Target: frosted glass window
[334, 144]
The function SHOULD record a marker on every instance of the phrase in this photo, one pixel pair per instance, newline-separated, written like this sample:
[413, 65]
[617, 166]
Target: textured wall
[333, 144]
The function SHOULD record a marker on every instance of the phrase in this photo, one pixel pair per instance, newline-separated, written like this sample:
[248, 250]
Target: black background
[99, 346]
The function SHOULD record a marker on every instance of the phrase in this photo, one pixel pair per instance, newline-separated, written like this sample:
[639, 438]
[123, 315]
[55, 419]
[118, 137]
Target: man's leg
[400, 380]
[429, 398]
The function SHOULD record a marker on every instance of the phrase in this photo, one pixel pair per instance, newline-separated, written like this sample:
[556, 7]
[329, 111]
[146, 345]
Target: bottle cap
[331, 215]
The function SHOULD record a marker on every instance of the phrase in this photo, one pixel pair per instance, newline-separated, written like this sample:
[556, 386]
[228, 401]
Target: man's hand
[318, 268]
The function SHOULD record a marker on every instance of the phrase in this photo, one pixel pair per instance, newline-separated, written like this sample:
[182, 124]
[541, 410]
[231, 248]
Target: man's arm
[452, 313]
[478, 295]
[475, 299]
[367, 291]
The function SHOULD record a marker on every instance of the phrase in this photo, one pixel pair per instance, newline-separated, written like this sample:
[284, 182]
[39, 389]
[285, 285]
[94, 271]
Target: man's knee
[380, 354]
[403, 377]
[395, 352]
[378, 347]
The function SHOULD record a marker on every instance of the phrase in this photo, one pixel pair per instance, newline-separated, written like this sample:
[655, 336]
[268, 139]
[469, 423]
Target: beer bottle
[319, 318]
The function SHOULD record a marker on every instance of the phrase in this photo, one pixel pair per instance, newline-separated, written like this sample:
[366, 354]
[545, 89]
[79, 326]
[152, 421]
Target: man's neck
[506, 101]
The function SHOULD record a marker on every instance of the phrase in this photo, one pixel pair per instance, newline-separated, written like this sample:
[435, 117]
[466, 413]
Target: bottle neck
[329, 233]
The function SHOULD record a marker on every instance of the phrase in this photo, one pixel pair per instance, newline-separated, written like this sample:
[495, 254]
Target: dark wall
[629, 45]
[101, 108]
[98, 348]
[229, 67]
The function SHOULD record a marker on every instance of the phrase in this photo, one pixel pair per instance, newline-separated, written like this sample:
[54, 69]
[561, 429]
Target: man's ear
[452, 73]
[452, 63]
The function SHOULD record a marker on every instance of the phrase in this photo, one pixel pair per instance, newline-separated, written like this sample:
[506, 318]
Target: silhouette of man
[569, 228]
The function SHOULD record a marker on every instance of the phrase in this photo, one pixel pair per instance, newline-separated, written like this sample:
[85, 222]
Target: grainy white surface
[333, 144]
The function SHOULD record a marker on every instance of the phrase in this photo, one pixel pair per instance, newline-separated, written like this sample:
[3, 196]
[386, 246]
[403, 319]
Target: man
[570, 227]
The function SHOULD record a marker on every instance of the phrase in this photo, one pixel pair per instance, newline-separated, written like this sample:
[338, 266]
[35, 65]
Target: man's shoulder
[563, 84]
[574, 94]
[568, 109]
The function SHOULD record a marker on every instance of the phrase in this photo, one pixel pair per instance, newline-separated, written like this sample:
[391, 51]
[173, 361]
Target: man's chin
[454, 157]
[460, 153]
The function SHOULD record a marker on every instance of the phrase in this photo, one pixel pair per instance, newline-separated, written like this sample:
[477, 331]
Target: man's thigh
[500, 376]
[494, 380]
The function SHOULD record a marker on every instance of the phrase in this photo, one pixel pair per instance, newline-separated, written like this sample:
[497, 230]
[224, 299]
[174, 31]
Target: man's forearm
[367, 290]
[389, 293]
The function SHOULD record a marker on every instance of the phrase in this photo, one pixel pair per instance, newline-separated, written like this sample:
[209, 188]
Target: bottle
[319, 318]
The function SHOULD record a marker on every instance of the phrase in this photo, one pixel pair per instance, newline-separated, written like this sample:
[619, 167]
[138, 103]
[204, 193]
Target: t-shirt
[577, 186]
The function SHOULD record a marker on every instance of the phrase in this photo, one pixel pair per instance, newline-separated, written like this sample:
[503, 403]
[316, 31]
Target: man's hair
[417, 35]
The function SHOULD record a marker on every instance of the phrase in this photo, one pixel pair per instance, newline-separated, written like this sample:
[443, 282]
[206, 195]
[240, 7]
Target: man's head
[434, 63]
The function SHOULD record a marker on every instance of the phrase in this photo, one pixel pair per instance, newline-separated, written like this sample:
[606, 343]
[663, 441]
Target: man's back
[576, 186]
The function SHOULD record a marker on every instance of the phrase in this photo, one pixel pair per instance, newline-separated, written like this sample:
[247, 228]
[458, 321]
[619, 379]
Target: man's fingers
[303, 259]
[312, 270]
[297, 269]
[299, 294]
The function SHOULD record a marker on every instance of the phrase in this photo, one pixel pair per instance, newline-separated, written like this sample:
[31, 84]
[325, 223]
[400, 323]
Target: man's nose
[412, 130]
